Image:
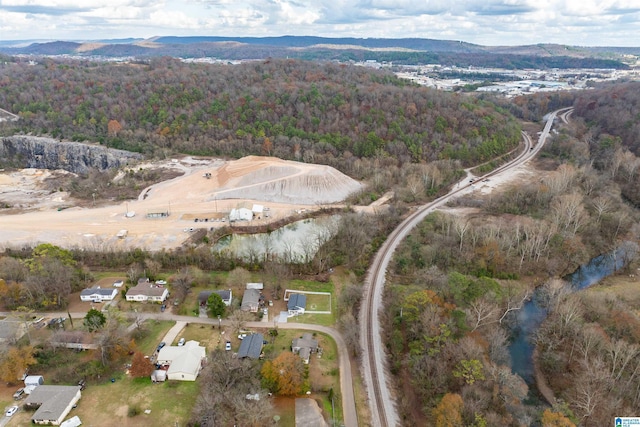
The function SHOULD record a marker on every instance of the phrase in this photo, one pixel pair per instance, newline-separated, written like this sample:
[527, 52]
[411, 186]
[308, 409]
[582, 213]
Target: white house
[145, 291]
[54, 402]
[297, 304]
[98, 294]
[184, 361]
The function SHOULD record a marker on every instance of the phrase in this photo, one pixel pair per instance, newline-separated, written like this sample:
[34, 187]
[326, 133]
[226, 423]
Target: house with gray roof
[98, 294]
[225, 294]
[146, 291]
[53, 403]
[250, 300]
[297, 304]
[304, 346]
[251, 346]
[185, 362]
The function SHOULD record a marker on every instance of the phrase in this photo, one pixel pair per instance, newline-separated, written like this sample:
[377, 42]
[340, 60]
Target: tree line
[290, 109]
[459, 279]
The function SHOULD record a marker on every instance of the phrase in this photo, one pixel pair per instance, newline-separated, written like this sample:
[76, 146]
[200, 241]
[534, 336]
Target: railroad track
[383, 412]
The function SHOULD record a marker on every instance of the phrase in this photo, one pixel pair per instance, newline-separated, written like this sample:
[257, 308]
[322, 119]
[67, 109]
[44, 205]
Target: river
[532, 314]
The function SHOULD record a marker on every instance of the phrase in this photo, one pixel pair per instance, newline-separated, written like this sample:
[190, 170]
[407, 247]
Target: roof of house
[148, 289]
[255, 285]
[297, 301]
[188, 363]
[305, 353]
[306, 341]
[54, 400]
[251, 346]
[173, 353]
[98, 290]
[251, 297]
[225, 294]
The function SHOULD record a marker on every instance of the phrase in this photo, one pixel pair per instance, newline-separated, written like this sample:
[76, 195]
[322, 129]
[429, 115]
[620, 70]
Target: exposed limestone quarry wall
[48, 153]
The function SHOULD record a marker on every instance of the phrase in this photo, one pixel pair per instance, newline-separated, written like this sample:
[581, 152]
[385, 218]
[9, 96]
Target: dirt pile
[283, 181]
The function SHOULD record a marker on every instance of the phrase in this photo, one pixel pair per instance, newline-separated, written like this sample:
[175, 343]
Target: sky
[485, 22]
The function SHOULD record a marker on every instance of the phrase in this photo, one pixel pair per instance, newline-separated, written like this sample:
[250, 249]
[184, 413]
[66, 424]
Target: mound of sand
[282, 181]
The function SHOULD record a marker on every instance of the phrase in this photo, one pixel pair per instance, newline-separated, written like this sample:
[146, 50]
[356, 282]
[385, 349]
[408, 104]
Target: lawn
[319, 300]
[323, 371]
[111, 404]
[155, 331]
[207, 335]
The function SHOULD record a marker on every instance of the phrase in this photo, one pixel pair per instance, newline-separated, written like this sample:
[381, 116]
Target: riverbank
[541, 381]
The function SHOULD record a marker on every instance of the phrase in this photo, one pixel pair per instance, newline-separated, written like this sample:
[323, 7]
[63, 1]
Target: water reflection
[297, 242]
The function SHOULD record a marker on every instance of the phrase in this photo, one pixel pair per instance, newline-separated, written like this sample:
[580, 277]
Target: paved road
[346, 385]
[376, 374]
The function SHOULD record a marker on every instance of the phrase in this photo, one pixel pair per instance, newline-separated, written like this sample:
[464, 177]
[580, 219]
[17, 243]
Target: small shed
[259, 286]
[33, 380]
[72, 422]
[158, 375]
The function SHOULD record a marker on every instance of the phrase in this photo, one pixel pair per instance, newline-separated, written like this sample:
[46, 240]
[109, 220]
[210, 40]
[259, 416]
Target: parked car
[19, 394]
[181, 342]
[242, 336]
[11, 411]
[163, 307]
[82, 383]
[227, 346]
[162, 344]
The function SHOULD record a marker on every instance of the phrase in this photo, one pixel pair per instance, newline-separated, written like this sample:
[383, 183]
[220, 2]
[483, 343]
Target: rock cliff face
[47, 153]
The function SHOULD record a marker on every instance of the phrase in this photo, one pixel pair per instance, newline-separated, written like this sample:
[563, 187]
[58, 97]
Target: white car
[11, 411]
[181, 342]
[227, 346]
[242, 336]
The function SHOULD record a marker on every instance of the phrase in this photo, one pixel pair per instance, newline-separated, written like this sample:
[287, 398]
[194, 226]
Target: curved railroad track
[381, 402]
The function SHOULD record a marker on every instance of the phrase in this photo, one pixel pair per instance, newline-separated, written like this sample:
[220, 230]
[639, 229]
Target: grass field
[156, 329]
[109, 404]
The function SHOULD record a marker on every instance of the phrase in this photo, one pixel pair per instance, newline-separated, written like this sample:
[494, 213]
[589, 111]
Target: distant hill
[413, 51]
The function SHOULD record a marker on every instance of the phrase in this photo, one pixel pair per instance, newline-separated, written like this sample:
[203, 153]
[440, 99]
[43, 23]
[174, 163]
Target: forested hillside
[290, 109]
[612, 117]
[460, 279]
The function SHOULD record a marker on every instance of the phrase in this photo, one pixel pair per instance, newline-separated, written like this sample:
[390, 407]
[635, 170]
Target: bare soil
[208, 188]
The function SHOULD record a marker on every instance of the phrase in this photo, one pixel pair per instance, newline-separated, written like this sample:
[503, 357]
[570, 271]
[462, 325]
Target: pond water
[295, 242]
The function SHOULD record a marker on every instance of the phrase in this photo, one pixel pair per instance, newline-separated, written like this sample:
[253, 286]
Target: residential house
[98, 294]
[251, 346]
[250, 300]
[53, 403]
[297, 304]
[304, 346]
[77, 340]
[146, 291]
[185, 362]
[225, 294]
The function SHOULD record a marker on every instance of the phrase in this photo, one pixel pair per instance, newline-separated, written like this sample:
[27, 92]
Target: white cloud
[494, 22]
